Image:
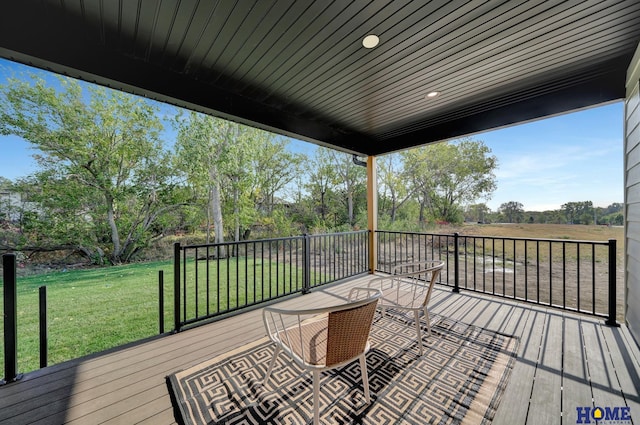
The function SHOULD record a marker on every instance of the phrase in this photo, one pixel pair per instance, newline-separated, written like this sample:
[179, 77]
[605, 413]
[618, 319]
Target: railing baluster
[515, 269]
[611, 320]
[196, 274]
[538, 272]
[484, 264]
[160, 302]
[564, 275]
[474, 263]
[208, 277]
[550, 274]
[504, 268]
[493, 263]
[456, 263]
[526, 271]
[42, 292]
[176, 287]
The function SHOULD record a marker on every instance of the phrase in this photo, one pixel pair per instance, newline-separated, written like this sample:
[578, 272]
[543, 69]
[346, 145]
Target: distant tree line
[570, 213]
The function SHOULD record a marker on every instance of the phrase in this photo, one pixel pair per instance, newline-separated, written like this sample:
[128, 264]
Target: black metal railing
[337, 256]
[217, 279]
[567, 274]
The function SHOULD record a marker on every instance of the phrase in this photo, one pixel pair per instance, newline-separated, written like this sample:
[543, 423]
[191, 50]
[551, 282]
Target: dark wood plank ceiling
[299, 68]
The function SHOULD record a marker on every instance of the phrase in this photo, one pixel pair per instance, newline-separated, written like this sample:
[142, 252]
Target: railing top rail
[353, 232]
[210, 245]
[509, 238]
[213, 245]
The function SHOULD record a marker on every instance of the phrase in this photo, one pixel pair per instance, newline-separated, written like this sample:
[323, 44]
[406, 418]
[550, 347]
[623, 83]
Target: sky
[543, 164]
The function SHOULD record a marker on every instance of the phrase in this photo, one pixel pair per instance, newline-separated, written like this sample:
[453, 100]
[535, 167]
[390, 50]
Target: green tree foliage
[478, 213]
[392, 186]
[350, 181]
[612, 215]
[578, 212]
[445, 176]
[234, 171]
[512, 211]
[104, 183]
[211, 152]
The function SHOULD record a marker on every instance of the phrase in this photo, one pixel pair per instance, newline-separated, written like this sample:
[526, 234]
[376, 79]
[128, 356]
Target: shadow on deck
[566, 363]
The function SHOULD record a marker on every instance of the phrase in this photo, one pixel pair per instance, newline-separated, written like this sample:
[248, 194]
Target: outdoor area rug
[459, 379]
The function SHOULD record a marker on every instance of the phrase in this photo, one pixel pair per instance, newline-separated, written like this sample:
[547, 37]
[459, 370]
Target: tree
[275, 167]
[447, 175]
[578, 212]
[204, 147]
[478, 213]
[104, 183]
[393, 184]
[322, 180]
[513, 211]
[351, 178]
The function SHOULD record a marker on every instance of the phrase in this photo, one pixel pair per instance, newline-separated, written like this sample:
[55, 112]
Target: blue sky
[569, 158]
[543, 164]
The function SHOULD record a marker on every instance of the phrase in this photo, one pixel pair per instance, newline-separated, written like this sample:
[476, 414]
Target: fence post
[161, 301]
[456, 263]
[176, 287]
[306, 282]
[10, 319]
[611, 321]
[44, 346]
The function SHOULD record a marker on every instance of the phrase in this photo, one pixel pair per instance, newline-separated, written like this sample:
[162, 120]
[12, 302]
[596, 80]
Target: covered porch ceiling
[299, 67]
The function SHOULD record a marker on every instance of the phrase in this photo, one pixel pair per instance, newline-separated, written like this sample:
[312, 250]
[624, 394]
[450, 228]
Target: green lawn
[93, 310]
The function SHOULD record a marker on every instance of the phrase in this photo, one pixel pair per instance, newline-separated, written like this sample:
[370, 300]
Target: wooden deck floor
[565, 361]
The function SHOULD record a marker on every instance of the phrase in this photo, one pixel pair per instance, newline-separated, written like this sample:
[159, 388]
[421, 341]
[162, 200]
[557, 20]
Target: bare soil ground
[558, 273]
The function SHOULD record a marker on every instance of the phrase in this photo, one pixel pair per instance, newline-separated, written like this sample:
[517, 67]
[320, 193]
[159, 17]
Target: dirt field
[562, 272]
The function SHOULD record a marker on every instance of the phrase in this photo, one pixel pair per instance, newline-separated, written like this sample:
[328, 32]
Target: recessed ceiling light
[370, 41]
[432, 94]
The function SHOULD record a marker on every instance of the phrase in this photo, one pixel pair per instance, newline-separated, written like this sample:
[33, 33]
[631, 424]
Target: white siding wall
[632, 196]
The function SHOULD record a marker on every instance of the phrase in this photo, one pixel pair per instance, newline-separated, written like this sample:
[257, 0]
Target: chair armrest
[408, 268]
[382, 283]
[359, 293]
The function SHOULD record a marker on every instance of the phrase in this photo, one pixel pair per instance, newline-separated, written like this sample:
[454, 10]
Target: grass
[87, 311]
[97, 309]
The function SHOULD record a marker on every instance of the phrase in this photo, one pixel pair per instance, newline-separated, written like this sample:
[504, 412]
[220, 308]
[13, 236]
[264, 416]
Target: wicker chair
[324, 338]
[408, 289]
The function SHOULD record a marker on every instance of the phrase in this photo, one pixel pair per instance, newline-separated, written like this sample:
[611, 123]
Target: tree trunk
[115, 236]
[350, 206]
[216, 210]
[236, 216]
[209, 214]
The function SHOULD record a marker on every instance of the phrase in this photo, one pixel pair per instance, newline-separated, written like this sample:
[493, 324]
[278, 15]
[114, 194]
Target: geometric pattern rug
[459, 380]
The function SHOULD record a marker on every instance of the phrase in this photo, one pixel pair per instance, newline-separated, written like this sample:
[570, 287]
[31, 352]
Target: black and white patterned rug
[459, 379]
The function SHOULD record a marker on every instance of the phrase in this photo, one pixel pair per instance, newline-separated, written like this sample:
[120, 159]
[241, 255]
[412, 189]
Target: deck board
[576, 389]
[546, 395]
[602, 375]
[560, 356]
[518, 391]
[627, 366]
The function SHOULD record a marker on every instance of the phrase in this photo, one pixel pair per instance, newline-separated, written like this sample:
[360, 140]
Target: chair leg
[272, 363]
[365, 378]
[316, 397]
[418, 331]
[426, 317]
